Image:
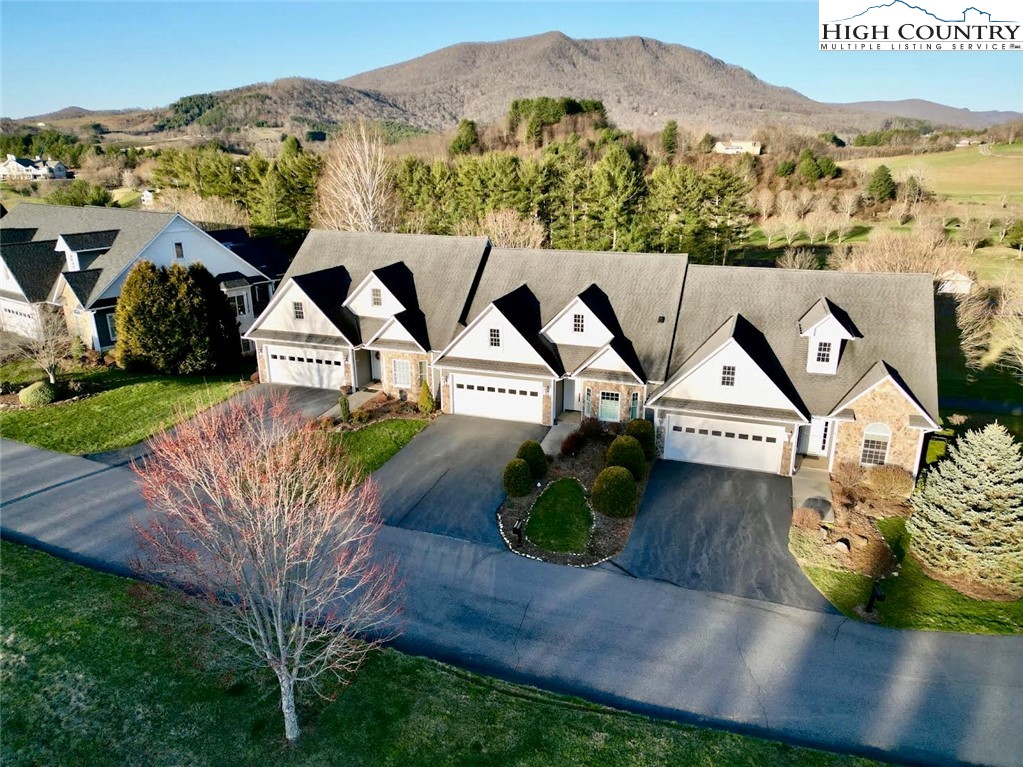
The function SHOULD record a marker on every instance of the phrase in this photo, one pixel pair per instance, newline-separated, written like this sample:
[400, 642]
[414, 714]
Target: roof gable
[873, 378]
[825, 318]
[34, 267]
[516, 346]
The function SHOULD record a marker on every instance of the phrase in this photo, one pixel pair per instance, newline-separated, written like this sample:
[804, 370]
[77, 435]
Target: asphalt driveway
[721, 530]
[447, 480]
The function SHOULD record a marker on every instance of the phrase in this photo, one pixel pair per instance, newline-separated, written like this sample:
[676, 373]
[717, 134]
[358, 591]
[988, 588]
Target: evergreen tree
[828, 167]
[140, 321]
[466, 138]
[426, 402]
[785, 168]
[706, 144]
[674, 209]
[268, 204]
[669, 138]
[808, 167]
[615, 193]
[344, 407]
[882, 186]
[967, 518]
[726, 212]
[215, 326]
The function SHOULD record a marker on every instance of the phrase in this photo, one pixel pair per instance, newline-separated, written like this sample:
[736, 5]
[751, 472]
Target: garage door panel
[298, 366]
[752, 446]
[506, 399]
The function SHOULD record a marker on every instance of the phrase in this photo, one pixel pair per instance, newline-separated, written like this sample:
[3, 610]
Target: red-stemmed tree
[259, 515]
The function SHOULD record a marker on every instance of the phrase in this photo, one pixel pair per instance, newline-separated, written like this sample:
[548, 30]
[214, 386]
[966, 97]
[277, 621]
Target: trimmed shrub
[806, 518]
[518, 480]
[360, 416]
[614, 492]
[39, 393]
[345, 406]
[643, 431]
[573, 443]
[627, 452]
[890, 481]
[426, 402]
[591, 428]
[848, 474]
[532, 453]
[615, 428]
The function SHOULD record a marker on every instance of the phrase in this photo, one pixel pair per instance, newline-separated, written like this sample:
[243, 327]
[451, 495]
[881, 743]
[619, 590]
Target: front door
[569, 401]
[375, 365]
[817, 439]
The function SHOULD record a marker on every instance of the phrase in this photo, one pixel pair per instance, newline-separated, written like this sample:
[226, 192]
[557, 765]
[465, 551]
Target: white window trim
[819, 351]
[404, 380]
[376, 296]
[112, 325]
[876, 437]
[725, 375]
[617, 399]
[579, 323]
[298, 310]
[245, 303]
[634, 405]
[495, 338]
[587, 404]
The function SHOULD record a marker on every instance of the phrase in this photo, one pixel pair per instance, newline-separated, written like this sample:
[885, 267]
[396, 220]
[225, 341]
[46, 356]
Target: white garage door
[752, 446]
[509, 399]
[297, 366]
[18, 318]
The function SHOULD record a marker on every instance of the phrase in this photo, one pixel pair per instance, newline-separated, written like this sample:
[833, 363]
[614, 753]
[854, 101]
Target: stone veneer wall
[785, 468]
[888, 405]
[387, 372]
[261, 364]
[625, 390]
[78, 324]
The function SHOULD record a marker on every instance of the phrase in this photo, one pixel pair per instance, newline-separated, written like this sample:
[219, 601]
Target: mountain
[642, 82]
[74, 113]
[936, 114]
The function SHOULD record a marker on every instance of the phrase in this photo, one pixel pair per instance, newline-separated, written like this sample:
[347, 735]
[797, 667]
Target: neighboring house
[21, 169]
[758, 369]
[953, 283]
[78, 258]
[738, 147]
[147, 197]
[357, 308]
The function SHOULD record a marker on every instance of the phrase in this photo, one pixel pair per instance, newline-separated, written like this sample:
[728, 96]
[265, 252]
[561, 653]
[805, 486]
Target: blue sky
[112, 55]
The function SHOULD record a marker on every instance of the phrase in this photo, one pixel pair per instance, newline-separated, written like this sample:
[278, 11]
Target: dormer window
[495, 337]
[826, 328]
[377, 296]
[728, 375]
[824, 352]
[578, 323]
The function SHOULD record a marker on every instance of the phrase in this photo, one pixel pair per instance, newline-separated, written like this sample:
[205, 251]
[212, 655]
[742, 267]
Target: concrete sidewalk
[780, 672]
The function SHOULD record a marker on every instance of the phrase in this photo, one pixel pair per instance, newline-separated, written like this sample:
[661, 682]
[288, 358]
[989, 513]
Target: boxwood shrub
[614, 492]
[626, 451]
[573, 443]
[39, 393]
[532, 453]
[518, 480]
[643, 431]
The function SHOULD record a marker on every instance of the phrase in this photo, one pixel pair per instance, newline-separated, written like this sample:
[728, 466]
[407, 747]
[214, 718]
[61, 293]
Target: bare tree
[356, 192]
[772, 229]
[972, 233]
[52, 343]
[506, 229]
[921, 251]
[201, 210]
[792, 227]
[258, 515]
[797, 258]
[787, 205]
[765, 201]
[1009, 327]
[805, 201]
[1005, 223]
[975, 314]
[849, 203]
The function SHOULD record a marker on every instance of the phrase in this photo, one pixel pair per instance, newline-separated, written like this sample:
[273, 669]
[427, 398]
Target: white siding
[7, 281]
[562, 330]
[752, 386]
[606, 360]
[829, 330]
[475, 342]
[361, 301]
[394, 331]
[197, 246]
[281, 315]
[18, 317]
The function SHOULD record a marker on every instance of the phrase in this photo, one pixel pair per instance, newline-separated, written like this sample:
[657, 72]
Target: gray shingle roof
[640, 288]
[82, 283]
[894, 313]
[494, 367]
[90, 240]
[135, 230]
[611, 376]
[443, 270]
[574, 356]
[723, 408]
[824, 308]
[287, 336]
[34, 265]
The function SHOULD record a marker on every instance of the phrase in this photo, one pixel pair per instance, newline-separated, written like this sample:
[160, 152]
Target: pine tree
[882, 186]
[669, 138]
[615, 194]
[967, 519]
[674, 208]
[141, 323]
[345, 408]
[426, 401]
[466, 138]
[726, 212]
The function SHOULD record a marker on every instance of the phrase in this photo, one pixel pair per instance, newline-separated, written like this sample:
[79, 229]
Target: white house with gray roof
[756, 369]
[78, 259]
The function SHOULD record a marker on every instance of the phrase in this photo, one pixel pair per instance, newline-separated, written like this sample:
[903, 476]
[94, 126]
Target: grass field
[965, 175]
[560, 520]
[102, 675]
[915, 601]
[374, 445]
[131, 407]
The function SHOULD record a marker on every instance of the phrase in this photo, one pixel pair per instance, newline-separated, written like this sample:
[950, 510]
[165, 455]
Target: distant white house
[20, 168]
[738, 147]
[955, 284]
[147, 196]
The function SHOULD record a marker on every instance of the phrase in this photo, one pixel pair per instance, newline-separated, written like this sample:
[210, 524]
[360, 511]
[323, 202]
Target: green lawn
[372, 446]
[131, 408]
[914, 601]
[560, 520]
[101, 675]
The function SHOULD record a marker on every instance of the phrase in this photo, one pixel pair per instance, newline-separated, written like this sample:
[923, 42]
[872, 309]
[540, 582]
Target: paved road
[447, 480]
[722, 530]
[782, 672]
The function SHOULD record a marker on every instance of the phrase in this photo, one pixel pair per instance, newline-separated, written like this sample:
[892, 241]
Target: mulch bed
[382, 407]
[608, 536]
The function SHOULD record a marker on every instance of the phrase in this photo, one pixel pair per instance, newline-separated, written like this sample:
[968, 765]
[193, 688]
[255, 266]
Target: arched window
[876, 439]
